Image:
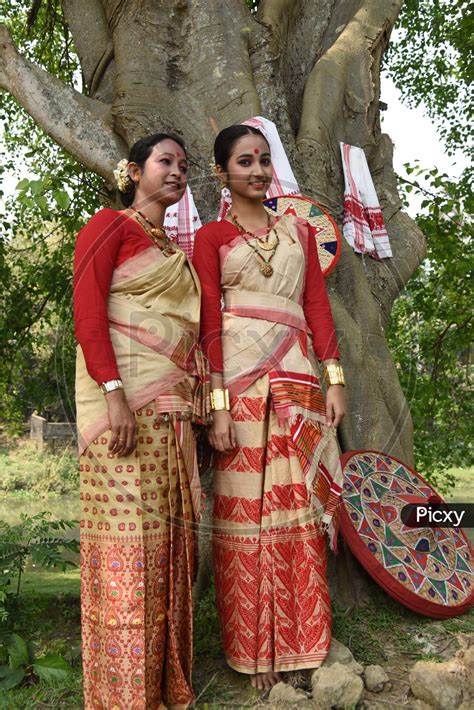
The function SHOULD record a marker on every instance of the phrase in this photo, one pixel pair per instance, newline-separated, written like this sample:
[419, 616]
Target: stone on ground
[438, 684]
[336, 686]
[283, 694]
[338, 653]
[375, 678]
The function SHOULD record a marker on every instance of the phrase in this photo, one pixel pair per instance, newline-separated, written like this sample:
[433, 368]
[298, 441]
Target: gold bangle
[219, 399]
[333, 375]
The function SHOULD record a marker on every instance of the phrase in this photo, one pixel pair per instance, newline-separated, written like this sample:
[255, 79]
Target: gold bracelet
[219, 399]
[333, 375]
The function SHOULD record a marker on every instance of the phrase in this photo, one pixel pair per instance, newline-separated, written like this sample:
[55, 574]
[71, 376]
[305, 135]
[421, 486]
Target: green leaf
[31, 651]
[23, 184]
[52, 668]
[25, 200]
[13, 679]
[62, 199]
[42, 202]
[18, 651]
[37, 187]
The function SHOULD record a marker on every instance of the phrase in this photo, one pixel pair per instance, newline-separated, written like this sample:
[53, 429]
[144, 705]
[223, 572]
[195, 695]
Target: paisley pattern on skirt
[137, 558]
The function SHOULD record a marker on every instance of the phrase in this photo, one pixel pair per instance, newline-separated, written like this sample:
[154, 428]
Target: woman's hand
[335, 405]
[122, 423]
[222, 432]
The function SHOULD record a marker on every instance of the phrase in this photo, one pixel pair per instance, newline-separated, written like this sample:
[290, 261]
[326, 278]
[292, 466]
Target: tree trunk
[313, 67]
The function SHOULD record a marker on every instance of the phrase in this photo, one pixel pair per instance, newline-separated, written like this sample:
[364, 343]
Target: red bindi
[256, 151]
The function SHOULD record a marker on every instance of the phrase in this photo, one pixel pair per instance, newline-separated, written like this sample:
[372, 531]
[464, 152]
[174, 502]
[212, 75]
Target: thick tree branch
[341, 81]
[296, 30]
[93, 42]
[343, 92]
[80, 125]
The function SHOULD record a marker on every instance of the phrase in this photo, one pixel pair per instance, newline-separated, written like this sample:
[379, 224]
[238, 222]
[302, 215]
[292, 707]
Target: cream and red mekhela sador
[278, 490]
[137, 318]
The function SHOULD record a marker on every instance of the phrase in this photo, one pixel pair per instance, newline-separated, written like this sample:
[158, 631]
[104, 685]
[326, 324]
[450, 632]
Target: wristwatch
[111, 385]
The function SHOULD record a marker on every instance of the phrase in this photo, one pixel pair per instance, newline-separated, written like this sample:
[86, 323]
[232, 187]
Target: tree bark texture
[311, 66]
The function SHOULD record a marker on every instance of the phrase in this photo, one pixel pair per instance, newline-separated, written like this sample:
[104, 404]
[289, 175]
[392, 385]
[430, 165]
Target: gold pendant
[266, 246]
[158, 233]
[266, 269]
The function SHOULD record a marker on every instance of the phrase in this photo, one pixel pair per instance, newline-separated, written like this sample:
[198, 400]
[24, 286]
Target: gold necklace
[265, 267]
[157, 234]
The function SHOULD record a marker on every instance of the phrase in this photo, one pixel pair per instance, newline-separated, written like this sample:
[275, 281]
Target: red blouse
[316, 305]
[105, 242]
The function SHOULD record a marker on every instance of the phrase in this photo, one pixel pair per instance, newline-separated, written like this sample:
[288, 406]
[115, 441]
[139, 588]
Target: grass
[39, 582]
[384, 629]
[463, 491]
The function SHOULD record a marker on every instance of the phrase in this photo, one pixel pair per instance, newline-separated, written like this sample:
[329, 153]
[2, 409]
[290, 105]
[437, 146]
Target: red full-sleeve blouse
[316, 306]
[105, 242]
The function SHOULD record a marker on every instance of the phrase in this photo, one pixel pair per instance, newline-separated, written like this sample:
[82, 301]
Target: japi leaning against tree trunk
[136, 304]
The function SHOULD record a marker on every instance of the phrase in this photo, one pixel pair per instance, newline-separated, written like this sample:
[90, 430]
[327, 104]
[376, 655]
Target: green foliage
[35, 538]
[38, 233]
[206, 636]
[49, 615]
[431, 326]
[34, 473]
[25, 667]
[430, 61]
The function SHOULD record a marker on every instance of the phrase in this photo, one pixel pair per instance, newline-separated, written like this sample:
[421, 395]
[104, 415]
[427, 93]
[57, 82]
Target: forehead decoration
[256, 151]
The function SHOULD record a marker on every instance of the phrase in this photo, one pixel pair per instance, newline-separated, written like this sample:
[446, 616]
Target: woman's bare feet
[265, 681]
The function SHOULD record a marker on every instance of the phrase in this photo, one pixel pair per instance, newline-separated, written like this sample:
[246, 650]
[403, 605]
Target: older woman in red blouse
[136, 308]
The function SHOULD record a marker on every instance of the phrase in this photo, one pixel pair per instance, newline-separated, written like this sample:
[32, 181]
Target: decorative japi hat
[430, 569]
[284, 197]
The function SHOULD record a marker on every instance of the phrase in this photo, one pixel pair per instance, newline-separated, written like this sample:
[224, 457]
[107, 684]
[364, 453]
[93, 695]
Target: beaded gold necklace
[157, 234]
[262, 243]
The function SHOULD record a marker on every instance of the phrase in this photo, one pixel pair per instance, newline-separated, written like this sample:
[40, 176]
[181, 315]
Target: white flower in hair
[122, 178]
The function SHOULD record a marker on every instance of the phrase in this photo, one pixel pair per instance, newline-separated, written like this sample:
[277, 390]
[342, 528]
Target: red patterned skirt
[269, 550]
[137, 556]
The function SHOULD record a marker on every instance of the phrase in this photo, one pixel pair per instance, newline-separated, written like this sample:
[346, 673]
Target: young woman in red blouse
[276, 464]
[136, 308]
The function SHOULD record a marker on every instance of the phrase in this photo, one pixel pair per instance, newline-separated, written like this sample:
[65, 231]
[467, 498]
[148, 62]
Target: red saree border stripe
[303, 235]
[285, 663]
[274, 315]
[246, 543]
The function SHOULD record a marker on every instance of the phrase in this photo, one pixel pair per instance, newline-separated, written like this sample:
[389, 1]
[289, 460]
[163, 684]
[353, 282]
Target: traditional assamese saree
[278, 490]
[138, 513]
